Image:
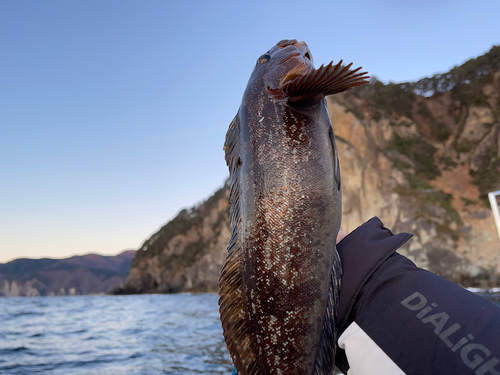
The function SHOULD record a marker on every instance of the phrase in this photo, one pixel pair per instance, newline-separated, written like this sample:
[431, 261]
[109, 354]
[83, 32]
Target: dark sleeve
[424, 323]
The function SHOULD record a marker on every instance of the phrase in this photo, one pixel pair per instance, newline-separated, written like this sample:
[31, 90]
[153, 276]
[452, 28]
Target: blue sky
[113, 113]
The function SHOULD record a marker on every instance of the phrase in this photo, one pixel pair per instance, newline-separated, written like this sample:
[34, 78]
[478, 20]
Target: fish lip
[290, 57]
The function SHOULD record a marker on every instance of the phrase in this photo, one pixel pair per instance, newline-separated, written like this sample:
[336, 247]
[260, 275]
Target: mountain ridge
[79, 274]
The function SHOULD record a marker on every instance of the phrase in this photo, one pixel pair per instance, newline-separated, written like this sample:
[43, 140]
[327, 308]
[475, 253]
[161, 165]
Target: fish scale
[279, 286]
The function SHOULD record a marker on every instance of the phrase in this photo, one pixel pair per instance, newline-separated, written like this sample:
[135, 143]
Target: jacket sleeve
[396, 318]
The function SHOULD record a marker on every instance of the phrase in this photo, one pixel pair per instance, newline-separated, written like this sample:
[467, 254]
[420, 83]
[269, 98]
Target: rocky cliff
[86, 274]
[423, 156]
[420, 155]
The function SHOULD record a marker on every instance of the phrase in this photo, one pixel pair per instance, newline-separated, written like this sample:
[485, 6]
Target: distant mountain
[420, 155]
[86, 274]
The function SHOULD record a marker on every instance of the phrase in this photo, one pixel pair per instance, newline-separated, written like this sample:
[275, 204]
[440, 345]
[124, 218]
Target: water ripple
[149, 334]
[113, 335]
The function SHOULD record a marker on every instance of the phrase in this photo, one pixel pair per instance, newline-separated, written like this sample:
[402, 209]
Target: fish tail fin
[327, 80]
[325, 361]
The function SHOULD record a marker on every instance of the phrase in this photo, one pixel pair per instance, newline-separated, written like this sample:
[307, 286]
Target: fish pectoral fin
[326, 80]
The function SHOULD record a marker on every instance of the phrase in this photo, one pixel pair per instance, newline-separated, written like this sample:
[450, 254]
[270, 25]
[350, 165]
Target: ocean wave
[148, 334]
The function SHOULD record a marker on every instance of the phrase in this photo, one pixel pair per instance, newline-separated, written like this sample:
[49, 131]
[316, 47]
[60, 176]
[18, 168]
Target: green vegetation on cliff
[465, 83]
[465, 86]
[420, 152]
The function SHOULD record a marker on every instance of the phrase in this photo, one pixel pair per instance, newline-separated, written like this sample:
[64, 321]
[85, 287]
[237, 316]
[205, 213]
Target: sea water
[145, 334]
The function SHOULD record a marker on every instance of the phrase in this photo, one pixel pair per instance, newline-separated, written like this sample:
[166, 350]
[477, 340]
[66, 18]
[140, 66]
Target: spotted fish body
[280, 282]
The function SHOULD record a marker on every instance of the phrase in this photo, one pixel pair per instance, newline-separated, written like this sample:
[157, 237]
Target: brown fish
[280, 283]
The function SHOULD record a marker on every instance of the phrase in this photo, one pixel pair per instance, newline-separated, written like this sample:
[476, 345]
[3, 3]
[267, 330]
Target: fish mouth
[305, 66]
[290, 57]
[296, 61]
[307, 57]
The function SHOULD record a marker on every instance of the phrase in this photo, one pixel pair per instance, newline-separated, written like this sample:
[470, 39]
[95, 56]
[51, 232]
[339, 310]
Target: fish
[279, 285]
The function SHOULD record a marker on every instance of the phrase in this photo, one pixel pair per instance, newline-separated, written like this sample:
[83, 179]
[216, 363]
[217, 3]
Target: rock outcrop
[422, 156]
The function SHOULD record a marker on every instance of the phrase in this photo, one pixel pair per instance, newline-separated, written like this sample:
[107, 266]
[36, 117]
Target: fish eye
[263, 59]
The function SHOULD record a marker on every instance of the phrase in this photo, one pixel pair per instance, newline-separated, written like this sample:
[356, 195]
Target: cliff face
[422, 156]
[86, 274]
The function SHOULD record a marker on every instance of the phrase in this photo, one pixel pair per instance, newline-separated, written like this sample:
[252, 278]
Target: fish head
[283, 63]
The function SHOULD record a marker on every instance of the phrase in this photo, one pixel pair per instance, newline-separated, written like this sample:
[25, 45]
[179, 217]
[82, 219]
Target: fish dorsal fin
[234, 320]
[327, 80]
[231, 148]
